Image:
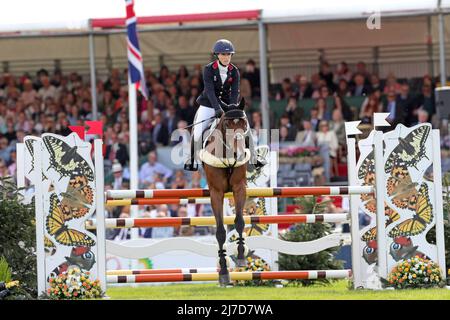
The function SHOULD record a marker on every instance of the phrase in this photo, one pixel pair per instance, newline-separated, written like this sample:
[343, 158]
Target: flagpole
[134, 157]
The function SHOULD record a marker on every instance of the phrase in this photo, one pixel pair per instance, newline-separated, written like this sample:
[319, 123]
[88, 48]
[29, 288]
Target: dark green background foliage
[18, 235]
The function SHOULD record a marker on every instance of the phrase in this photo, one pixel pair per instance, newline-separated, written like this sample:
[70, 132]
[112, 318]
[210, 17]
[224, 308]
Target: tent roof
[67, 15]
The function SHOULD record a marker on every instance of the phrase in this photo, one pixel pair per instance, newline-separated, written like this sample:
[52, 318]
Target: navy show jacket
[228, 91]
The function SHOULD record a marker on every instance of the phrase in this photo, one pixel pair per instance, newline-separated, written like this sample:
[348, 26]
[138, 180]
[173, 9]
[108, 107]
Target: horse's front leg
[240, 195]
[221, 234]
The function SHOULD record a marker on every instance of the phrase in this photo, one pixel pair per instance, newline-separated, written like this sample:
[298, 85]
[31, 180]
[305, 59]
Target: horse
[224, 159]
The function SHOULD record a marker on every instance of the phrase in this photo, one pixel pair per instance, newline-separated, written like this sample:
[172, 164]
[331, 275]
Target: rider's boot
[190, 164]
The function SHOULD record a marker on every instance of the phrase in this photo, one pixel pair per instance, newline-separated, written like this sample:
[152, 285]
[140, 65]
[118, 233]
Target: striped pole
[148, 202]
[207, 221]
[161, 271]
[214, 276]
[251, 192]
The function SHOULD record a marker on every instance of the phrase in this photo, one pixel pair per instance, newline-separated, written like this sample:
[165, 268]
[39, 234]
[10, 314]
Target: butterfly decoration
[56, 227]
[77, 199]
[258, 209]
[66, 160]
[410, 150]
[253, 208]
[423, 216]
[29, 143]
[49, 245]
[403, 248]
[400, 188]
[391, 216]
[80, 256]
[367, 173]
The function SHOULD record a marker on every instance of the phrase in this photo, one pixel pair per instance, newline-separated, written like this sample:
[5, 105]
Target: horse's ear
[242, 104]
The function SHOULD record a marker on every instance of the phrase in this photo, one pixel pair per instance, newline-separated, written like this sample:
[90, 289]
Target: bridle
[233, 114]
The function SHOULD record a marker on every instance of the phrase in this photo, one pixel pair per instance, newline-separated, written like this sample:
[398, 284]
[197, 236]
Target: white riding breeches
[202, 114]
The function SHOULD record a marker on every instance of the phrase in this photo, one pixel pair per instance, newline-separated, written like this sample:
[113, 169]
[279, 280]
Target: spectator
[407, 102]
[343, 72]
[315, 120]
[391, 84]
[47, 90]
[151, 167]
[284, 134]
[375, 83]
[160, 132]
[343, 89]
[179, 181]
[285, 121]
[369, 108]
[422, 116]
[251, 73]
[329, 138]
[29, 94]
[360, 88]
[294, 111]
[185, 111]
[396, 111]
[343, 107]
[326, 74]
[306, 137]
[304, 90]
[426, 99]
[119, 183]
[324, 110]
[338, 126]
[116, 150]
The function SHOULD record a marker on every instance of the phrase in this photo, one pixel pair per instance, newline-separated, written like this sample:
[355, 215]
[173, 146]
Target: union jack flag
[135, 65]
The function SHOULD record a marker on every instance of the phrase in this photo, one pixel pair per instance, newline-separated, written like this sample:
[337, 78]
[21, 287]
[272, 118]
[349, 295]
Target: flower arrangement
[74, 284]
[299, 151]
[415, 272]
[254, 264]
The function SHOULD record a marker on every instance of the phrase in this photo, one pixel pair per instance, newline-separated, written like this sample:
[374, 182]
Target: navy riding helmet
[223, 46]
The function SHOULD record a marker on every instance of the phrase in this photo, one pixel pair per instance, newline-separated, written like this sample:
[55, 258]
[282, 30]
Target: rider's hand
[219, 112]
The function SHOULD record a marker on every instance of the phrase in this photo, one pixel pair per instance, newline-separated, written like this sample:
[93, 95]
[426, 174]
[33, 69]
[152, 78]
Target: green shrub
[18, 235]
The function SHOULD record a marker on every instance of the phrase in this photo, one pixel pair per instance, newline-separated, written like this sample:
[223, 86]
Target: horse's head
[233, 127]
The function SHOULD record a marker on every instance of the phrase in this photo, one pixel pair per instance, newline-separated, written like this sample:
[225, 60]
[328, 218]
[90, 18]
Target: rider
[221, 81]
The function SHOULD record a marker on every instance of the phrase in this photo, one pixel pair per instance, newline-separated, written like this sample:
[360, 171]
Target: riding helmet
[223, 46]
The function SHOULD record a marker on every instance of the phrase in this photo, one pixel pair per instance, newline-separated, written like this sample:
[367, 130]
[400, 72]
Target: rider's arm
[209, 87]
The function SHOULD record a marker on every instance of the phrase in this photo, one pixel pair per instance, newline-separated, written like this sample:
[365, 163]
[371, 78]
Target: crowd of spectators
[53, 101]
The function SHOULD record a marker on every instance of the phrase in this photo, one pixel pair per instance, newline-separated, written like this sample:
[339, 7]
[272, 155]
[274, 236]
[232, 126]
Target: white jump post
[40, 223]
[439, 212]
[100, 212]
[351, 131]
[379, 120]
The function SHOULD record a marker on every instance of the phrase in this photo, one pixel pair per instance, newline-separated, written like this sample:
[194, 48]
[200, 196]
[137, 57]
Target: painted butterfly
[423, 216]
[77, 199]
[66, 160]
[410, 149]
[55, 225]
[401, 189]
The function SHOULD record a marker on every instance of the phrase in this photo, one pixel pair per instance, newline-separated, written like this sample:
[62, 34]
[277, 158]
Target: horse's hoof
[224, 280]
[241, 263]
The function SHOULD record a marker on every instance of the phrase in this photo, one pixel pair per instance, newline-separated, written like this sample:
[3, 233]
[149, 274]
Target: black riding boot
[190, 164]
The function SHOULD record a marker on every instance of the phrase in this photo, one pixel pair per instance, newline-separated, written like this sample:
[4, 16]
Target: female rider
[221, 81]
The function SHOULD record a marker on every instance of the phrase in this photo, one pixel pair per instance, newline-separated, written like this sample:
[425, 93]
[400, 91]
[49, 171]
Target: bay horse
[224, 159]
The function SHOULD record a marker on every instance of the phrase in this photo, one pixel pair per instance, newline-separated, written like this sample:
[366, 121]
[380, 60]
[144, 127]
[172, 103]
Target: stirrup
[190, 166]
